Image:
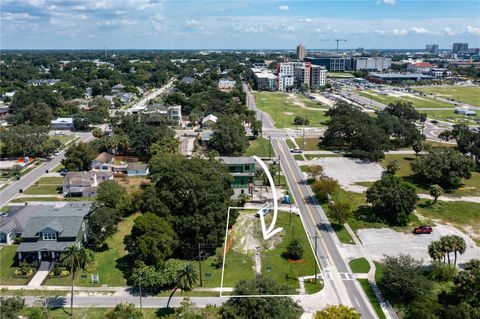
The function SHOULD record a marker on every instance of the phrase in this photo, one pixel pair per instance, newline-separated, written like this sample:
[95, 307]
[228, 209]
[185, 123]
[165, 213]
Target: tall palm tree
[185, 280]
[75, 258]
[459, 246]
[435, 251]
[447, 246]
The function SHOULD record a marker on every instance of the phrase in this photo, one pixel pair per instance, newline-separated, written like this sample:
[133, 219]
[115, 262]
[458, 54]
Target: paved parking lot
[348, 171]
[384, 241]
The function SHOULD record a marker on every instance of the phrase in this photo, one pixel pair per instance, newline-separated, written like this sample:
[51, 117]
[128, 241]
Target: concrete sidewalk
[41, 274]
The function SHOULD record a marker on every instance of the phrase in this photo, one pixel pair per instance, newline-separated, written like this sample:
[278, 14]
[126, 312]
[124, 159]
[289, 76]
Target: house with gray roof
[52, 229]
[84, 184]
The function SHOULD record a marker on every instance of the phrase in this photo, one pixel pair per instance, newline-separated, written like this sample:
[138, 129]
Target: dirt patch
[294, 99]
[288, 113]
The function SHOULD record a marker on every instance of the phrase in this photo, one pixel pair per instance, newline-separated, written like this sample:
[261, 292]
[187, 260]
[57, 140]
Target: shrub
[295, 249]
[323, 187]
[442, 272]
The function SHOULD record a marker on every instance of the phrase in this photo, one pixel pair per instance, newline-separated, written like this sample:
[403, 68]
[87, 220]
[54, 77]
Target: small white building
[62, 123]
[226, 84]
[209, 120]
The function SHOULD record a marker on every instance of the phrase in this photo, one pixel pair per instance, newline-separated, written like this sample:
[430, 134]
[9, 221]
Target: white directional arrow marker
[267, 233]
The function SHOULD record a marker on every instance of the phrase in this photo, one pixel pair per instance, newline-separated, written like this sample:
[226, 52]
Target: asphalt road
[13, 189]
[339, 283]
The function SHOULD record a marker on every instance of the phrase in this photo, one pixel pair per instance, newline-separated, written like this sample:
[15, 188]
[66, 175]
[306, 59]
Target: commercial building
[460, 47]
[371, 63]
[301, 52]
[332, 64]
[431, 48]
[264, 80]
[318, 76]
[440, 72]
[419, 67]
[62, 123]
[397, 77]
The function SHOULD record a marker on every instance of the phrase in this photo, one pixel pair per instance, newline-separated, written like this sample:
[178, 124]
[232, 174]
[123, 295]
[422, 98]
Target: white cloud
[449, 31]
[283, 8]
[308, 20]
[192, 22]
[399, 31]
[389, 2]
[420, 30]
[473, 30]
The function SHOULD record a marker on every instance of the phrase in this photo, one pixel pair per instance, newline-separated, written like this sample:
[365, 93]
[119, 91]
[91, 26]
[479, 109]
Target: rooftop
[237, 160]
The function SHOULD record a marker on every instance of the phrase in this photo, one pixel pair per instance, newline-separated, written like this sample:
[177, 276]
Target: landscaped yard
[260, 147]
[109, 263]
[359, 266]
[283, 110]
[8, 264]
[466, 94]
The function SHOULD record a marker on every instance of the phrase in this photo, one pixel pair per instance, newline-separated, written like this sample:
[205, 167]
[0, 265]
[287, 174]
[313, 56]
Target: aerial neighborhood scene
[239, 159]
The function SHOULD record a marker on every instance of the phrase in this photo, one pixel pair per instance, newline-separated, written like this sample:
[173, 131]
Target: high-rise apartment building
[300, 52]
[431, 48]
[318, 76]
[460, 47]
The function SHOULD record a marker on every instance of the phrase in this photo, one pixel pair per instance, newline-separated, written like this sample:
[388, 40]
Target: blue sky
[239, 24]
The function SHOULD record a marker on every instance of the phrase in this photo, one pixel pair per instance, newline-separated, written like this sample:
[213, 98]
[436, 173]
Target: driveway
[385, 241]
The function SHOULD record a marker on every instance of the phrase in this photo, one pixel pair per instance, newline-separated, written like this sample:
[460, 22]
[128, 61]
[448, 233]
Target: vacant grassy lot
[95, 313]
[132, 184]
[371, 296]
[463, 214]
[309, 143]
[283, 110]
[110, 263]
[465, 94]
[277, 266]
[450, 116]
[260, 147]
[45, 186]
[359, 265]
[421, 102]
[8, 265]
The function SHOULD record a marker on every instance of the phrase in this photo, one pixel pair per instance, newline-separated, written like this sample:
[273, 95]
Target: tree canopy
[228, 136]
[79, 157]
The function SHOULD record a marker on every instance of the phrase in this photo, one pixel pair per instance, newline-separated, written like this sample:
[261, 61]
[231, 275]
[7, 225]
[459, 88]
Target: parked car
[296, 150]
[63, 172]
[265, 212]
[422, 230]
[434, 121]
[3, 214]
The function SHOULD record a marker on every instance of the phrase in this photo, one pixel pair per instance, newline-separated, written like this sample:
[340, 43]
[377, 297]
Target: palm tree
[185, 280]
[74, 257]
[459, 246]
[447, 246]
[435, 251]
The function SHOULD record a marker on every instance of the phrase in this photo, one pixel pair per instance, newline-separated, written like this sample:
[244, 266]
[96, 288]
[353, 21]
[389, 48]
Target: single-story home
[209, 120]
[52, 230]
[84, 184]
[134, 169]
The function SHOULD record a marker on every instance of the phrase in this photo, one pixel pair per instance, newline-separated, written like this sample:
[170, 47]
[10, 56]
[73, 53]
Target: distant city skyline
[156, 24]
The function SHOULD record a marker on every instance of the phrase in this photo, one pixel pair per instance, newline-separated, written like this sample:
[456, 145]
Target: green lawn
[238, 266]
[8, 264]
[275, 265]
[50, 180]
[94, 313]
[359, 265]
[298, 157]
[42, 190]
[110, 263]
[378, 271]
[470, 95]
[64, 139]
[420, 102]
[260, 147]
[404, 161]
[283, 110]
[308, 143]
[58, 168]
[290, 143]
[340, 75]
[371, 296]
[450, 116]
[311, 287]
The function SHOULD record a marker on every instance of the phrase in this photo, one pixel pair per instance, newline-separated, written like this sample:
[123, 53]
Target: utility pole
[200, 264]
[278, 169]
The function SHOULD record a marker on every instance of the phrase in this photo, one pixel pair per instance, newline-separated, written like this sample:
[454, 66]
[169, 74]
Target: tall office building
[431, 48]
[460, 47]
[300, 52]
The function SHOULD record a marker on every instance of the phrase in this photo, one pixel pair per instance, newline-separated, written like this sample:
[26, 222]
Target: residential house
[188, 80]
[7, 230]
[118, 88]
[48, 234]
[243, 171]
[226, 84]
[209, 120]
[108, 163]
[440, 72]
[205, 137]
[171, 113]
[84, 184]
[43, 82]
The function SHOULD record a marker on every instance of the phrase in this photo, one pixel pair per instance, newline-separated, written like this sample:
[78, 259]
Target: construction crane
[338, 40]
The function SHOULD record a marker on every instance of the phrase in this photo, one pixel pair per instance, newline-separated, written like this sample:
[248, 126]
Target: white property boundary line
[225, 255]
